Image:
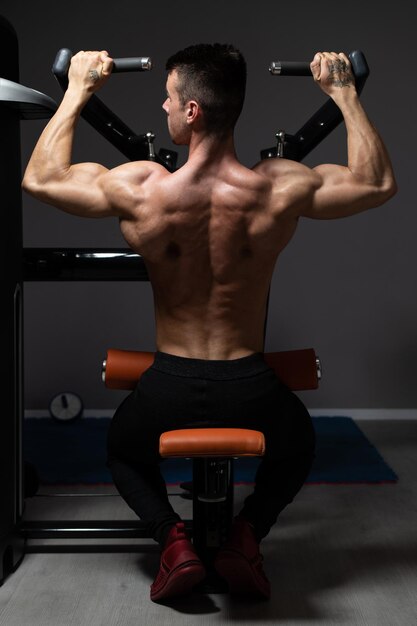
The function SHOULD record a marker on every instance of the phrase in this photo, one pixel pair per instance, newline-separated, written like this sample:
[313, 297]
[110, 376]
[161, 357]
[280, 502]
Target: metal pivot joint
[280, 136]
[150, 137]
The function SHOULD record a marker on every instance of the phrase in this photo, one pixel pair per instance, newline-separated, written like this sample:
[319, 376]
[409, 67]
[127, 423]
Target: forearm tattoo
[94, 75]
[340, 74]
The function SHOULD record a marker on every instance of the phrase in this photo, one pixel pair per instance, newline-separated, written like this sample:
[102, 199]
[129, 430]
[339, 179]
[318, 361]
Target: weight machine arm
[135, 147]
[141, 146]
[323, 122]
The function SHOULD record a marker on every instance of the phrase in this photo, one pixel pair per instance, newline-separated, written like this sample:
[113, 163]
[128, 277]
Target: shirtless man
[210, 234]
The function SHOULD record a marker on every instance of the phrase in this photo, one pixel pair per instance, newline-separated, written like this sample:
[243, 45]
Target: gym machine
[16, 103]
[20, 265]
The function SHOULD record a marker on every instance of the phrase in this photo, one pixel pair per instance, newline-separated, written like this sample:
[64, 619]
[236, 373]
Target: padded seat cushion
[194, 442]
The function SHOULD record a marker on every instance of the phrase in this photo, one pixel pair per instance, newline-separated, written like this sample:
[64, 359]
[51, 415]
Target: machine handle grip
[302, 68]
[130, 64]
[290, 68]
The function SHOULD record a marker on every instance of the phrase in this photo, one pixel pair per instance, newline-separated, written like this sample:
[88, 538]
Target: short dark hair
[215, 76]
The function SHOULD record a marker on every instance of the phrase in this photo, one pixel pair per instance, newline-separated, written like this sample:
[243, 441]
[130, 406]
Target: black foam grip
[132, 64]
[293, 68]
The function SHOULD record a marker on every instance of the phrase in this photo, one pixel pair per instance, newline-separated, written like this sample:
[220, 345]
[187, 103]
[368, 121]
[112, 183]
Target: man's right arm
[367, 181]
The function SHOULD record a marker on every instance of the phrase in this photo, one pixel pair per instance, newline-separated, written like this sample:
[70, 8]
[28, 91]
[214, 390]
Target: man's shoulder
[139, 171]
[292, 185]
[287, 176]
[274, 167]
[129, 186]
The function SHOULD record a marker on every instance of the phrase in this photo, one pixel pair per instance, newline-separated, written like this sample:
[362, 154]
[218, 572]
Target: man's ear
[193, 111]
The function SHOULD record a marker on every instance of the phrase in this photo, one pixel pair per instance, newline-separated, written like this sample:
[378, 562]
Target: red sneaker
[180, 568]
[239, 562]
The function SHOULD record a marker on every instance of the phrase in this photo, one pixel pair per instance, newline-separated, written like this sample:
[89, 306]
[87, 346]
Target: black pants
[178, 392]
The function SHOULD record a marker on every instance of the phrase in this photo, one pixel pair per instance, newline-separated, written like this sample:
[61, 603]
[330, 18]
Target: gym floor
[342, 554]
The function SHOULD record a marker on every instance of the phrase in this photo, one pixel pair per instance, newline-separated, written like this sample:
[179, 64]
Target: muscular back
[210, 242]
[211, 232]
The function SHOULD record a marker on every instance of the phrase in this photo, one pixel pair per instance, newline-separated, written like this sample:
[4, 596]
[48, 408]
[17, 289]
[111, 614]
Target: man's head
[208, 80]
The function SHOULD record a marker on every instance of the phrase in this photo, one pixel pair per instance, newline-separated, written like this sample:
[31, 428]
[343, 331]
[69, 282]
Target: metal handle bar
[302, 68]
[129, 64]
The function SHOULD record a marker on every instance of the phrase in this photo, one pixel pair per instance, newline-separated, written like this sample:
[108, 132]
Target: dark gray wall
[346, 287]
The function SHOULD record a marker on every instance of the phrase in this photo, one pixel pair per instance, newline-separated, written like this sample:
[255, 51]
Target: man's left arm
[80, 189]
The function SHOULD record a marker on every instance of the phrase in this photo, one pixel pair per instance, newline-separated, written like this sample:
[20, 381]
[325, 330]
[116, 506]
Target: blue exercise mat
[75, 453]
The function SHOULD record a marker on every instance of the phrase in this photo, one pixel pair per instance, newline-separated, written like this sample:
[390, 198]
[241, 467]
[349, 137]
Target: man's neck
[204, 148]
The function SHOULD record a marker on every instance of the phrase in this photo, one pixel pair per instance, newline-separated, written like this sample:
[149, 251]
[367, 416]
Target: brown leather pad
[192, 442]
[125, 367]
[295, 368]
